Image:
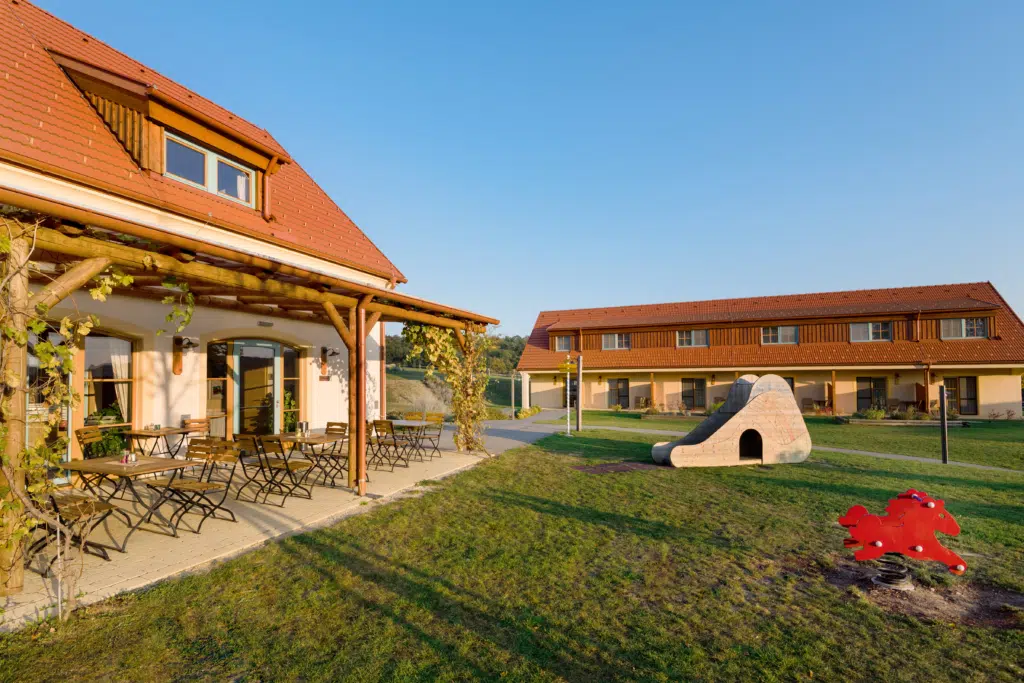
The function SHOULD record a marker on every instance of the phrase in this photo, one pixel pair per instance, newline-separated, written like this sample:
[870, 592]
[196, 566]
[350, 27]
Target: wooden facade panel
[824, 333]
[734, 336]
[128, 125]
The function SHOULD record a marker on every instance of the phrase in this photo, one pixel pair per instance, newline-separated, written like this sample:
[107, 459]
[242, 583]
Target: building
[842, 351]
[105, 162]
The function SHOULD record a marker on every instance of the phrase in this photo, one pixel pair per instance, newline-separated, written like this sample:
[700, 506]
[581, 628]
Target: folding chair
[389, 445]
[79, 512]
[284, 474]
[432, 434]
[88, 438]
[209, 490]
[331, 461]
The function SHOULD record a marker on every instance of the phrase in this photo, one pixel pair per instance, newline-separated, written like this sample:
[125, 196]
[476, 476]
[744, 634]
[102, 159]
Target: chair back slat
[336, 428]
[384, 427]
[413, 416]
[273, 445]
[88, 436]
[199, 425]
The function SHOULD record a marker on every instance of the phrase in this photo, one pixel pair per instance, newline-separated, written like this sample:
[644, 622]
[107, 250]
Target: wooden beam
[346, 334]
[361, 398]
[835, 395]
[71, 280]
[353, 398]
[371, 321]
[12, 566]
[460, 339]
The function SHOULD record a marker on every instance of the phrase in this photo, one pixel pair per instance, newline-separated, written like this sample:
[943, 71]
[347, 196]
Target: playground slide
[759, 423]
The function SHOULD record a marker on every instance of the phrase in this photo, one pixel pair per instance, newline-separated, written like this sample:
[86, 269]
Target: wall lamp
[328, 353]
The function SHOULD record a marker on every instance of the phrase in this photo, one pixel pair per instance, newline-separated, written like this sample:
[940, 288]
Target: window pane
[623, 341]
[108, 402]
[290, 358]
[217, 360]
[562, 343]
[787, 335]
[186, 162]
[232, 181]
[881, 331]
[216, 397]
[608, 341]
[683, 339]
[976, 327]
[107, 358]
[700, 338]
[860, 332]
[952, 328]
[290, 405]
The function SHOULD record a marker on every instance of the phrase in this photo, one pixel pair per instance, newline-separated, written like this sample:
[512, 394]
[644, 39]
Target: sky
[533, 155]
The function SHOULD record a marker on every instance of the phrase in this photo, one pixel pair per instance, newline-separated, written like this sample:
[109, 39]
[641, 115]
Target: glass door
[37, 415]
[257, 374]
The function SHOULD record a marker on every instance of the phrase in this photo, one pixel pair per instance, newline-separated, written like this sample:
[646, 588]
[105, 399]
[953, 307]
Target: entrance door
[618, 393]
[871, 393]
[574, 391]
[258, 375]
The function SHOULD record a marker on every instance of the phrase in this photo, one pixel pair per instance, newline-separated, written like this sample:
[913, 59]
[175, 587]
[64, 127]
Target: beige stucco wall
[166, 397]
[998, 389]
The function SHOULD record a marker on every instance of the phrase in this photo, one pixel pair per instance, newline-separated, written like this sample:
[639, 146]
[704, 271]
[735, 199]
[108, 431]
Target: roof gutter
[88, 217]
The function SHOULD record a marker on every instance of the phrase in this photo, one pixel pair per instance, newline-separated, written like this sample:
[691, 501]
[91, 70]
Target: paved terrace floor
[152, 557]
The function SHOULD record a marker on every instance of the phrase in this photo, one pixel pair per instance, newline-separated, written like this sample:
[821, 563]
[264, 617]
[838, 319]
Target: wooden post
[360, 384]
[835, 395]
[71, 280]
[12, 569]
[654, 399]
[928, 389]
[579, 393]
[943, 434]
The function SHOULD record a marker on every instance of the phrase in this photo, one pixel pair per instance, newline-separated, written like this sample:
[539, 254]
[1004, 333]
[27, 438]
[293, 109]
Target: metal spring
[893, 574]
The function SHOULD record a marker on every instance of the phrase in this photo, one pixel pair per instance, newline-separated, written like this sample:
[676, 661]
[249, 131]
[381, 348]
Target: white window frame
[622, 341]
[680, 343]
[560, 338]
[872, 337]
[963, 328]
[778, 334]
[211, 159]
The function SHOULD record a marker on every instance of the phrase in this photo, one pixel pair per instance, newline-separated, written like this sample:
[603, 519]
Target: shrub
[870, 414]
[922, 416]
[653, 410]
[995, 414]
[715, 406]
[616, 408]
[495, 413]
[1010, 414]
[524, 413]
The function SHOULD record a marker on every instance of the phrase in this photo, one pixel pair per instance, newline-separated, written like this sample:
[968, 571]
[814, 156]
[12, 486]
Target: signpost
[568, 367]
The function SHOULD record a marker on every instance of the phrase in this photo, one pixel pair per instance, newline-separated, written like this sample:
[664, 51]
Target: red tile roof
[1008, 348]
[46, 123]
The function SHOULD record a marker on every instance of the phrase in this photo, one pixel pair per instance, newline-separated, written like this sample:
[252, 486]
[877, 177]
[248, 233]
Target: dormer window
[195, 165]
[964, 328]
[869, 332]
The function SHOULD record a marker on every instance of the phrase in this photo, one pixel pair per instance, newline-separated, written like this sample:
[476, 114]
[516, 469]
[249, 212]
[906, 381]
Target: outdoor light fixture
[328, 352]
[187, 344]
[712, 380]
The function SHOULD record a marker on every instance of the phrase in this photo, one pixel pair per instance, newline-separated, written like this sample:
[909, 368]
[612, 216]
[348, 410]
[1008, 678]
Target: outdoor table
[413, 430]
[140, 436]
[94, 472]
[323, 459]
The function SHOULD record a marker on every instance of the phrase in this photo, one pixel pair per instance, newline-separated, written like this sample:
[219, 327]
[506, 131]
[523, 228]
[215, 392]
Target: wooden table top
[311, 439]
[113, 466]
[166, 431]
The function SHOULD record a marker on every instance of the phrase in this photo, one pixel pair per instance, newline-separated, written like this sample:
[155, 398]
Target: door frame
[234, 370]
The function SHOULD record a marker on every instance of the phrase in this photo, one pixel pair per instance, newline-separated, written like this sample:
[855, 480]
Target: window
[217, 388]
[865, 332]
[693, 394]
[964, 328]
[791, 382]
[961, 395]
[563, 343]
[871, 393]
[613, 342]
[574, 392]
[692, 338]
[197, 166]
[290, 402]
[618, 393]
[782, 334]
[108, 381]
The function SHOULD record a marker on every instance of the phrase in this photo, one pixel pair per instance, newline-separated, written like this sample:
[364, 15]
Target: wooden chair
[81, 513]
[285, 473]
[893, 405]
[388, 445]
[432, 434]
[88, 438]
[209, 490]
[807, 405]
[413, 416]
[331, 461]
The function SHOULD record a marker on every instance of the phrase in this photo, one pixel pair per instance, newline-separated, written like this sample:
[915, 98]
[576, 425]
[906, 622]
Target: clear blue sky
[523, 156]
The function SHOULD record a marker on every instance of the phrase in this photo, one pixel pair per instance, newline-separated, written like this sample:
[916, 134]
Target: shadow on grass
[597, 448]
[878, 498]
[939, 480]
[456, 615]
[619, 523]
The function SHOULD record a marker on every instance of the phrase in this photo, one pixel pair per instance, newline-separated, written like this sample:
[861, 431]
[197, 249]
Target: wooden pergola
[67, 254]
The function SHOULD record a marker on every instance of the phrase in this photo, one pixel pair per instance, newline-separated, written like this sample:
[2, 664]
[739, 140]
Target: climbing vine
[27, 468]
[465, 371]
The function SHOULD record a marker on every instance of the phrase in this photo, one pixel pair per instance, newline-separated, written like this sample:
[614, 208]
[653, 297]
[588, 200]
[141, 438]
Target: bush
[870, 414]
[1010, 414]
[995, 414]
[524, 413]
[652, 409]
[617, 408]
[922, 416]
[715, 406]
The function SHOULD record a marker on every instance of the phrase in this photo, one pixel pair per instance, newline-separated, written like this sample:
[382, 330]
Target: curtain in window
[121, 363]
[860, 332]
[952, 328]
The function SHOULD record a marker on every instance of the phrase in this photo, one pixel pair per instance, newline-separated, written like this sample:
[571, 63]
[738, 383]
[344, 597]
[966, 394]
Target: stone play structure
[759, 423]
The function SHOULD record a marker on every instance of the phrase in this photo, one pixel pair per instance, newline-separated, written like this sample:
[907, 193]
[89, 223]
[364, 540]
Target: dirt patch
[962, 603]
[612, 467]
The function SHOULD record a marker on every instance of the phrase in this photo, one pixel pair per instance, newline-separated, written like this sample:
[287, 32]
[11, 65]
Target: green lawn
[999, 444]
[526, 569]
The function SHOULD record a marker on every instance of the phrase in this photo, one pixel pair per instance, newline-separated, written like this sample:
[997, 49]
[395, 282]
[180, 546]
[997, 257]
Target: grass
[996, 443]
[526, 569]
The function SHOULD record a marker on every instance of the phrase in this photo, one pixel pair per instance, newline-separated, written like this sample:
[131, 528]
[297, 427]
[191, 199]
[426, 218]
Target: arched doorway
[751, 447]
[253, 387]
